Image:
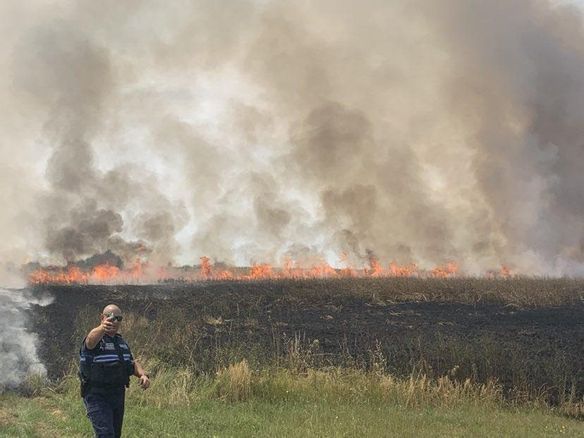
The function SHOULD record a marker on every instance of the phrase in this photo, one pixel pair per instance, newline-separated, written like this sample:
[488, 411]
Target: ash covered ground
[461, 328]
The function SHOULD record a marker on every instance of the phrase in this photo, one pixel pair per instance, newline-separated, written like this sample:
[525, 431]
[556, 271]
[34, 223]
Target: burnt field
[528, 334]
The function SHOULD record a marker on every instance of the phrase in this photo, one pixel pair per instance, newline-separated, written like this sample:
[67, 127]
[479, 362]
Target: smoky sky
[256, 131]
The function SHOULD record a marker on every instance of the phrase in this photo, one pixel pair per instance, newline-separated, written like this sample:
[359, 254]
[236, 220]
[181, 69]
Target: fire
[260, 271]
[376, 268]
[505, 272]
[72, 275]
[99, 274]
[225, 275]
[396, 270]
[288, 268]
[142, 273]
[206, 267]
[103, 273]
[163, 274]
[136, 272]
[448, 270]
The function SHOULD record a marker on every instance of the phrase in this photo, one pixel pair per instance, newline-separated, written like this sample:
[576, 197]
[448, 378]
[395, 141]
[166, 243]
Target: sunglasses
[113, 317]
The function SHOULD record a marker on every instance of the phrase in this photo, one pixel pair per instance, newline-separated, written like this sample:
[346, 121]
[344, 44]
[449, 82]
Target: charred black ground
[526, 333]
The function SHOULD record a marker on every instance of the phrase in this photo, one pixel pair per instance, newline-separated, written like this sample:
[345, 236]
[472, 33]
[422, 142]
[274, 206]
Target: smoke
[414, 131]
[17, 344]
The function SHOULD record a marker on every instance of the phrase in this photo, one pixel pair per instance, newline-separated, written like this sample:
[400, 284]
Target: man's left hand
[144, 381]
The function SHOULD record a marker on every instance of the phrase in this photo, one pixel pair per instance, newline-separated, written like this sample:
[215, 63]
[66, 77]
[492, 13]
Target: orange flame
[137, 271]
[142, 273]
[448, 270]
[505, 272]
[396, 270]
[225, 275]
[104, 273]
[206, 272]
[376, 268]
[261, 271]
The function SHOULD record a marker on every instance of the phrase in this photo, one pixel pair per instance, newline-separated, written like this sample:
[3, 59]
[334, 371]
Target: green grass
[58, 416]
[240, 402]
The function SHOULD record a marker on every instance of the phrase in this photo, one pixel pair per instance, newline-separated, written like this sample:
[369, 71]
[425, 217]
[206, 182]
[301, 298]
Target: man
[106, 364]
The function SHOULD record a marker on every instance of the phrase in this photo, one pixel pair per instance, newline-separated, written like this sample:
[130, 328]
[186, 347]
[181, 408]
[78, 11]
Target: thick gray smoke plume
[17, 344]
[417, 131]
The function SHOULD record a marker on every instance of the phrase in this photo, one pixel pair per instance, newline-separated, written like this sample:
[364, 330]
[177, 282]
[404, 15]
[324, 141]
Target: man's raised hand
[108, 326]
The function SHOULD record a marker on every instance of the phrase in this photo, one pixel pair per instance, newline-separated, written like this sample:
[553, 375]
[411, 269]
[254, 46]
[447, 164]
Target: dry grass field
[526, 334]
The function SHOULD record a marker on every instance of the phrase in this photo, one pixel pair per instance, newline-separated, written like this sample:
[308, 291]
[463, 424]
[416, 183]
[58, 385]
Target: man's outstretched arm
[95, 335]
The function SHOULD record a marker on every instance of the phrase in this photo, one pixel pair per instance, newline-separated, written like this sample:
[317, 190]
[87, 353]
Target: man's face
[115, 318]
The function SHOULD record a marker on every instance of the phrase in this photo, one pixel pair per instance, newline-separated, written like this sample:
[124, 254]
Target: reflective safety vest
[107, 366]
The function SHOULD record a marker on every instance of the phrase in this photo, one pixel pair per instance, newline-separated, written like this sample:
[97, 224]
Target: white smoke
[18, 346]
[419, 131]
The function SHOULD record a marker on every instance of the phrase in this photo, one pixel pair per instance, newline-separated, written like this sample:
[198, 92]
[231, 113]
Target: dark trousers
[106, 412]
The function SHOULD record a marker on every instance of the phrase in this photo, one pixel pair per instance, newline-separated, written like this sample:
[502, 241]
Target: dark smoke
[70, 75]
[414, 131]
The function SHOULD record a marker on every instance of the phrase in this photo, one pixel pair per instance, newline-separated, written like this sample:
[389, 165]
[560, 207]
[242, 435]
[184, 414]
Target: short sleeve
[84, 348]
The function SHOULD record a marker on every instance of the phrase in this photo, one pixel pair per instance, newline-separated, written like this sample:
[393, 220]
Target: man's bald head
[112, 308]
[111, 317]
